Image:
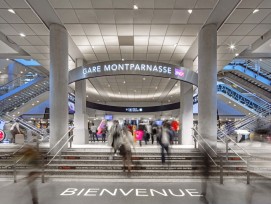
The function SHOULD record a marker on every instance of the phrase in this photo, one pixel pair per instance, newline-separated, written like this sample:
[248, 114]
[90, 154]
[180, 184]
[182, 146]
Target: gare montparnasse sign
[146, 68]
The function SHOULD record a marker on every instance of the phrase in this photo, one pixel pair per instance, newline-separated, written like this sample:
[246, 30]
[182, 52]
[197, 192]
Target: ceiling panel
[105, 16]
[156, 40]
[91, 29]
[186, 40]
[239, 15]
[140, 49]
[175, 29]
[227, 29]
[75, 29]
[125, 30]
[244, 29]
[86, 16]
[80, 40]
[28, 16]
[86, 49]
[199, 16]
[161, 16]
[108, 29]
[113, 49]
[124, 16]
[8, 29]
[111, 40]
[257, 17]
[188, 4]
[81, 3]
[141, 40]
[191, 30]
[249, 4]
[143, 16]
[141, 30]
[39, 29]
[61, 3]
[67, 15]
[102, 3]
[179, 17]
[158, 29]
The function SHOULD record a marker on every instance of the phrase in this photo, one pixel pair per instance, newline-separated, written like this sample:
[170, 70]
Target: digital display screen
[108, 117]
[71, 107]
[134, 110]
[28, 62]
[159, 122]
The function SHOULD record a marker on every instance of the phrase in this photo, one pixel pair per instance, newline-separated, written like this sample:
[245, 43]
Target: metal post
[14, 173]
[227, 149]
[221, 170]
[71, 142]
[42, 171]
[248, 173]
[195, 143]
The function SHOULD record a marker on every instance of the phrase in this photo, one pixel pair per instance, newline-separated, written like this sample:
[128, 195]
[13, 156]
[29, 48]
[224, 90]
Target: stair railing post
[14, 173]
[248, 172]
[221, 169]
[227, 149]
[42, 170]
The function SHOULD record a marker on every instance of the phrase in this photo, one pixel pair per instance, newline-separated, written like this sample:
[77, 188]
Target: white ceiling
[95, 25]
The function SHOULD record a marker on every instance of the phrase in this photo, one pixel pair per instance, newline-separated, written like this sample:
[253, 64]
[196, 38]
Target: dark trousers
[103, 137]
[163, 148]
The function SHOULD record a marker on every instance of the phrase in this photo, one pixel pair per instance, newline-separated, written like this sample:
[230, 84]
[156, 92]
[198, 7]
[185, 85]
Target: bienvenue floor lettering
[138, 192]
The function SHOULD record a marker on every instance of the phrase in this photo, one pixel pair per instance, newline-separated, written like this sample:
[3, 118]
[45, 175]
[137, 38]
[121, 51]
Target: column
[58, 85]
[207, 82]
[80, 117]
[186, 108]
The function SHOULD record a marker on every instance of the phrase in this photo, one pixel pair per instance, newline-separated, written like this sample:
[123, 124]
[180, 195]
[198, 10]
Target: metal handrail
[205, 141]
[233, 151]
[59, 140]
[59, 150]
[233, 142]
[205, 150]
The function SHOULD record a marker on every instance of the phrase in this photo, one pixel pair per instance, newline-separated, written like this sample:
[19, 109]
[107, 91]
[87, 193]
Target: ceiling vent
[126, 40]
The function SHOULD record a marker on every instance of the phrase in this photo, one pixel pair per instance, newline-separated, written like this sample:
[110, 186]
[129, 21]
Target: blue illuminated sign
[27, 62]
[134, 110]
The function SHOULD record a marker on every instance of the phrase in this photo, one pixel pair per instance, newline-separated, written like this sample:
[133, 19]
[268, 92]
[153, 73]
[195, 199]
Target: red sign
[2, 135]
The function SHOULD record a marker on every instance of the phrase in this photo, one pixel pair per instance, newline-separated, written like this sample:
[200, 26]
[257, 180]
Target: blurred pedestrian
[32, 158]
[115, 136]
[14, 130]
[165, 140]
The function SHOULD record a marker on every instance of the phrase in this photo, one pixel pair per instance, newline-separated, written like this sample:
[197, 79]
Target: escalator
[250, 78]
[16, 95]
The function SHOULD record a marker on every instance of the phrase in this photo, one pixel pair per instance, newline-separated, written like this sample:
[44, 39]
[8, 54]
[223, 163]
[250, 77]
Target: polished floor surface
[135, 192]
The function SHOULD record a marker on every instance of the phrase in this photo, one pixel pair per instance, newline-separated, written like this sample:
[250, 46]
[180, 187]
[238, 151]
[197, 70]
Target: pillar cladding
[58, 85]
[207, 83]
[80, 116]
[186, 113]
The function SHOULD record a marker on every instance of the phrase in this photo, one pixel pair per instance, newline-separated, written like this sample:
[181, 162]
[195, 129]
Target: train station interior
[117, 101]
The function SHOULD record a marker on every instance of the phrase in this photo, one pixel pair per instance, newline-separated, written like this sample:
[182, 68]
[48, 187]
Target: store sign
[2, 135]
[142, 68]
[134, 110]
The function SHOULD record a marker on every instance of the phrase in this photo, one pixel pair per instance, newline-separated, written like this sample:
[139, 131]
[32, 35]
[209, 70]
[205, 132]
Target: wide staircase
[98, 163]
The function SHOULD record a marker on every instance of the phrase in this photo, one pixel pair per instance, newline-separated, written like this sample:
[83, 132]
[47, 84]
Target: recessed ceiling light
[7, 59]
[232, 46]
[261, 60]
[33, 104]
[256, 10]
[22, 34]
[98, 100]
[87, 96]
[190, 11]
[93, 46]
[144, 78]
[38, 101]
[11, 11]
[124, 82]
[135, 7]
[176, 84]
[0, 72]
[229, 102]
[22, 72]
[122, 59]
[175, 45]
[236, 54]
